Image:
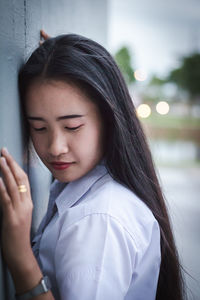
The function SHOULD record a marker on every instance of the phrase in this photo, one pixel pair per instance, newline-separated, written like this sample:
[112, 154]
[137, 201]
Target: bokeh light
[144, 110]
[140, 75]
[162, 107]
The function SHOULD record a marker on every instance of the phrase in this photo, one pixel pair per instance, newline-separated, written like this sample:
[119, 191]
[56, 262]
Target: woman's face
[66, 128]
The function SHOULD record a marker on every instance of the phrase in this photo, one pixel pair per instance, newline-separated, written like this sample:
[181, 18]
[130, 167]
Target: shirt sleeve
[95, 259]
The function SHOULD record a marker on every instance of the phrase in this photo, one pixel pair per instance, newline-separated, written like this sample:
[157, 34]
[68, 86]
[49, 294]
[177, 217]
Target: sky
[157, 32]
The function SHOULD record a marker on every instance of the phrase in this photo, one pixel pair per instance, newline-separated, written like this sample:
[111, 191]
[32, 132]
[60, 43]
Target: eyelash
[73, 128]
[39, 129]
[69, 128]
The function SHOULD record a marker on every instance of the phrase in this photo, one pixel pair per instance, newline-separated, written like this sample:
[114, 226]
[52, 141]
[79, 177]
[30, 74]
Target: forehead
[57, 96]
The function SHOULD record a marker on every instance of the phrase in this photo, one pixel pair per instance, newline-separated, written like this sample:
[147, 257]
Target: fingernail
[3, 161]
[5, 150]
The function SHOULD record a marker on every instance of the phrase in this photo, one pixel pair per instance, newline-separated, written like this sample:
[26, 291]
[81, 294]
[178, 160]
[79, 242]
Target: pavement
[181, 186]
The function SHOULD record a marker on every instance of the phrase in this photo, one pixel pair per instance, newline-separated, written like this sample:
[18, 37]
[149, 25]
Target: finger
[20, 177]
[44, 35]
[5, 200]
[18, 173]
[9, 181]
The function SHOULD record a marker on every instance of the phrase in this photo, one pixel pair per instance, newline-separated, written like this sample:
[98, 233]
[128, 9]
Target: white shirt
[102, 242]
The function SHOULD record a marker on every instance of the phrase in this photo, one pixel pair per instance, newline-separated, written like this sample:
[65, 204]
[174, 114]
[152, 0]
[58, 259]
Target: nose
[57, 145]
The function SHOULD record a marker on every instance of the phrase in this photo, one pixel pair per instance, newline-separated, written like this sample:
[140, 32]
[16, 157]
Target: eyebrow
[57, 119]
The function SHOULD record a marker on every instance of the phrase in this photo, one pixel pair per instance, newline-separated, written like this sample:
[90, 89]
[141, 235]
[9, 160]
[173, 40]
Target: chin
[61, 177]
[66, 177]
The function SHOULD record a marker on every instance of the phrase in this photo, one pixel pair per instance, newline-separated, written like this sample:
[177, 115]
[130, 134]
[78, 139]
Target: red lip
[60, 165]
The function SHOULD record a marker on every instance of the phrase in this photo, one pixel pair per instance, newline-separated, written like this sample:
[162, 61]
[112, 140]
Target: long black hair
[85, 63]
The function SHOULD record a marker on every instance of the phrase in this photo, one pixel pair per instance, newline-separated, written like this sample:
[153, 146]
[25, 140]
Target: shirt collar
[71, 192]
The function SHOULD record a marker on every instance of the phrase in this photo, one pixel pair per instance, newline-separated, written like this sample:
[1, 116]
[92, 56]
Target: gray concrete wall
[20, 22]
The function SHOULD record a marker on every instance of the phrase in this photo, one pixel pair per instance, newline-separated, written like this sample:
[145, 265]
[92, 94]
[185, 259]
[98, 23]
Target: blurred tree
[156, 81]
[123, 59]
[187, 76]
[154, 91]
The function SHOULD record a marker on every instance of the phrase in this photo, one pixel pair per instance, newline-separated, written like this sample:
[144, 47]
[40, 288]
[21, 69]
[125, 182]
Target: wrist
[42, 288]
[27, 276]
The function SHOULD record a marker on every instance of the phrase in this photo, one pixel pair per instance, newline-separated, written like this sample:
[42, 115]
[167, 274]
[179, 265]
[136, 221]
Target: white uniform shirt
[102, 242]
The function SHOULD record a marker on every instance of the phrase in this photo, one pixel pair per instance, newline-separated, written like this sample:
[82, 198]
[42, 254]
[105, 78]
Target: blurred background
[157, 46]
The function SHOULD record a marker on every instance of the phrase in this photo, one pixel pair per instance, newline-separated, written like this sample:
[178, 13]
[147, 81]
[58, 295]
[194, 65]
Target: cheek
[91, 141]
[39, 144]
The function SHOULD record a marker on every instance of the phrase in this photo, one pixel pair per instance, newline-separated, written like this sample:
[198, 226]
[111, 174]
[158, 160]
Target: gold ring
[22, 188]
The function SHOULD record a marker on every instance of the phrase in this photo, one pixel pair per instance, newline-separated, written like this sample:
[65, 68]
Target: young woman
[106, 234]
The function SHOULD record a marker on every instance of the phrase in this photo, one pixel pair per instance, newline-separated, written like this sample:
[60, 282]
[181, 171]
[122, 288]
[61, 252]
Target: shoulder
[114, 199]
[108, 199]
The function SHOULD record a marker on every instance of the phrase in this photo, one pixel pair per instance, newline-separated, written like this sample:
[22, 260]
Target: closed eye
[73, 128]
[39, 129]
